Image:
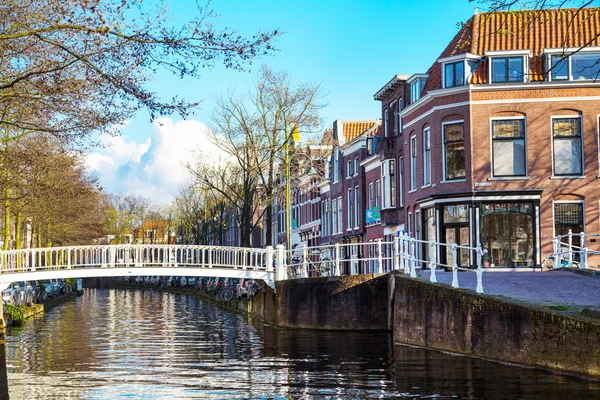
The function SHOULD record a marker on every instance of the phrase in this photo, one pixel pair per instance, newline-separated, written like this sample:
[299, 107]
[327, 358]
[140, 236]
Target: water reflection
[145, 344]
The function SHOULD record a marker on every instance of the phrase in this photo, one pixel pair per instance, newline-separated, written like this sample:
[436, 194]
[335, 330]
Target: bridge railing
[105, 256]
[405, 254]
[568, 254]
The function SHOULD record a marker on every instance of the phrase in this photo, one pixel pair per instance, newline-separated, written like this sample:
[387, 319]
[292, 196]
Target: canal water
[118, 343]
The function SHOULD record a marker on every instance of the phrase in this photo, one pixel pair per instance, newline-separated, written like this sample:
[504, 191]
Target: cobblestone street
[551, 287]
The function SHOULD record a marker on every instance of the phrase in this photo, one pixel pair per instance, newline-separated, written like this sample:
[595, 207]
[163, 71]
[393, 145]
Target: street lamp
[311, 172]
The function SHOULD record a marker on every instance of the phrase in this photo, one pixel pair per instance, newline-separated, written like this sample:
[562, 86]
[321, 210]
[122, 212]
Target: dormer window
[454, 74]
[507, 69]
[508, 66]
[457, 70]
[415, 91]
[417, 83]
[583, 65]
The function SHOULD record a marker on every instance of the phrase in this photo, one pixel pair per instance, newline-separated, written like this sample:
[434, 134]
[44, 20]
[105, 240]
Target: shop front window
[429, 233]
[455, 229]
[507, 232]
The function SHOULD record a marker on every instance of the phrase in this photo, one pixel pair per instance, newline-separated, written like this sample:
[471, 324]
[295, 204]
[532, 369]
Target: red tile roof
[354, 129]
[532, 30]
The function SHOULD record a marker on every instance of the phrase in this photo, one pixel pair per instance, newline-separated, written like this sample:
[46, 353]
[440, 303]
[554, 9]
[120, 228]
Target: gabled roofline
[398, 78]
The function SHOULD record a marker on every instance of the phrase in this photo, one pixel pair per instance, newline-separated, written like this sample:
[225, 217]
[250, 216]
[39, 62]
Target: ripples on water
[144, 344]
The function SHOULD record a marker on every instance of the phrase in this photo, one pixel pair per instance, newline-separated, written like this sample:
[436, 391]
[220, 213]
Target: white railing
[336, 259]
[404, 254]
[567, 254]
[411, 257]
[137, 255]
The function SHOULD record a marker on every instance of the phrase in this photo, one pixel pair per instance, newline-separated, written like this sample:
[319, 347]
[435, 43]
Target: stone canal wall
[358, 302]
[464, 322]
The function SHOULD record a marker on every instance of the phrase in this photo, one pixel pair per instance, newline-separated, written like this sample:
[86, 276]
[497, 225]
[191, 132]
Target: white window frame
[378, 194]
[413, 163]
[426, 159]
[568, 52]
[445, 179]
[580, 117]
[385, 122]
[525, 54]
[415, 91]
[349, 210]
[340, 215]
[348, 169]
[503, 177]
[409, 224]
[371, 195]
[334, 217]
[465, 66]
[336, 165]
[386, 185]
[355, 166]
[356, 207]
[400, 169]
[582, 202]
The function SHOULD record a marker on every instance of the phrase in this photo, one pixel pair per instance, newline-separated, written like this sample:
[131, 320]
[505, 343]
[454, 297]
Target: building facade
[498, 141]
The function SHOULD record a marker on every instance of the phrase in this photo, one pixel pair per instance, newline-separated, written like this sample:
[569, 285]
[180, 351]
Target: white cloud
[155, 168]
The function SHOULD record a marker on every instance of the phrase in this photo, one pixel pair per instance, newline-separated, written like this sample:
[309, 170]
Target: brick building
[498, 142]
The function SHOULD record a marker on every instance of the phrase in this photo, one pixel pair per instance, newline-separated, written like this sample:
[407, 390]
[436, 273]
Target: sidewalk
[557, 287]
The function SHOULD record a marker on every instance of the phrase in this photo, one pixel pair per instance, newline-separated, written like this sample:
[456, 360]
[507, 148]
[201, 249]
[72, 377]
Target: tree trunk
[18, 223]
[6, 221]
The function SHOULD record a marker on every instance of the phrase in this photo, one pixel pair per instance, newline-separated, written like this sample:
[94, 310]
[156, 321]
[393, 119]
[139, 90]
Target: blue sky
[352, 48]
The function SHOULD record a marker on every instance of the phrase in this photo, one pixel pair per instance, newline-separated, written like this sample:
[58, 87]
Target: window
[415, 91]
[508, 233]
[392, 183]
[426, 157]
[413, 163]
[454, 151]
[356, 206]
[567, 146]
[454, 74]
[335, 217]
[355, 166]
[348, 168]
[336, 165]
[385, 122]
[569, 216]
[396, 122]
[377, 194]
[508, 148]
[559, 68]
[349, 210]
[371, 195]
[585, 66]
[401, 180]
[507, 69]
[409, 224]
[323, 219]
[388, 175]
[339, 210]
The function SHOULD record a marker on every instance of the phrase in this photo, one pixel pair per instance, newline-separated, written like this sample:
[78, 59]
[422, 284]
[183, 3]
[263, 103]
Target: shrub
[15, 312]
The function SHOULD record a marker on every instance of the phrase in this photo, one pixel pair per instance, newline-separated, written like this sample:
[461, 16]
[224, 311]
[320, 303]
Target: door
[460, 236]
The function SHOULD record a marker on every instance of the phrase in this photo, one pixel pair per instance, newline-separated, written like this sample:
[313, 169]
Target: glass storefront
[455, 229]
[508, 234]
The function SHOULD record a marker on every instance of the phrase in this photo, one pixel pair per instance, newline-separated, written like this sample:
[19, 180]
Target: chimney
[338, 132]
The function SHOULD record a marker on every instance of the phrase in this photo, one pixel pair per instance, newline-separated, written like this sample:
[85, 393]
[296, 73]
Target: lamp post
[311, 171]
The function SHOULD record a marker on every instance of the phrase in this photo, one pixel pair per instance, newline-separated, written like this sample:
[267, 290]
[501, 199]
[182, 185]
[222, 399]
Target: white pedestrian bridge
[136, 260]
